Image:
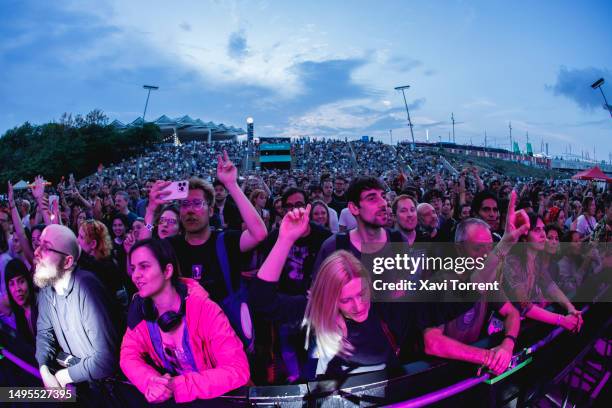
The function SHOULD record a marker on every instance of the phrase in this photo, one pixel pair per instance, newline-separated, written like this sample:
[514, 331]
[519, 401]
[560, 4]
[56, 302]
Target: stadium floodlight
[403, 88]
[149, 88]
[249, 120]
[597, 84]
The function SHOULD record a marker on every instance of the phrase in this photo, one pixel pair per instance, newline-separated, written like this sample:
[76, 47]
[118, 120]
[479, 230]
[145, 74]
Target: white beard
[46, 274]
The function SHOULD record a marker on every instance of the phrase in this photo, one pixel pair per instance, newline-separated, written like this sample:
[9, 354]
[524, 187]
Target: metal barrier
[424, 382]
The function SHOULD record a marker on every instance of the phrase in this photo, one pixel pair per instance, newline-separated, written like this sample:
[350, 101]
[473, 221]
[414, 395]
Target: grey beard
[43, 282]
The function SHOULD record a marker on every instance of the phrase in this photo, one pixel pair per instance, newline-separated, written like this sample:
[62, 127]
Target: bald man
[427, 222]
[74, 316]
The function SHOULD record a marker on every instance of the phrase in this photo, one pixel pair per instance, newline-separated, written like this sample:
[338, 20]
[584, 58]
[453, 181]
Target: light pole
[453, 120]
[149, 88]
[250, 135]
[598, 84]
[402, 88]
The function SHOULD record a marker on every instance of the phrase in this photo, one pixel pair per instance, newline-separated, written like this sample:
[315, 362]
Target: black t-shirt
[338, 203]
[297, 271]
[342, 241]
[370, 347]
[200, 262]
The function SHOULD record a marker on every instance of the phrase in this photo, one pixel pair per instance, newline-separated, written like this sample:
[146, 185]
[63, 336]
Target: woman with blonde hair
[96, 248]
[259, 198]
[346, 333]
[320, 214]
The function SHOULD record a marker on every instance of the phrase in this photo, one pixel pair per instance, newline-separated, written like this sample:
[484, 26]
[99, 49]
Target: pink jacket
[217, 351]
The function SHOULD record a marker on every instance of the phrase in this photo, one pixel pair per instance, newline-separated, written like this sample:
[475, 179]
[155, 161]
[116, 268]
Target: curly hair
[95, 230]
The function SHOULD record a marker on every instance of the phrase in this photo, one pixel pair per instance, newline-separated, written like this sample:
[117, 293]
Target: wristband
[508, 336]
[558, 320]
[149, 227]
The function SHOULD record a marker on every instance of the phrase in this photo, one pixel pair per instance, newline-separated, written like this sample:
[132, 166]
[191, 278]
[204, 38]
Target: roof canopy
[592, 174]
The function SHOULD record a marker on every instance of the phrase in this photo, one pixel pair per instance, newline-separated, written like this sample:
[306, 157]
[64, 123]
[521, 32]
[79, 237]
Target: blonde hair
[256, 193]
[322, 314]
[94, 229]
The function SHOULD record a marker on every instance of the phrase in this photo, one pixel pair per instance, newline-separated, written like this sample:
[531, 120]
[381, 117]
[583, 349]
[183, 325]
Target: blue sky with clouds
[319, 69]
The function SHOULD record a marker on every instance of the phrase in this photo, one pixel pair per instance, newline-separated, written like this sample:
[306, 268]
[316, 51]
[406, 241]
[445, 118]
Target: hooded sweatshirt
[218, 353]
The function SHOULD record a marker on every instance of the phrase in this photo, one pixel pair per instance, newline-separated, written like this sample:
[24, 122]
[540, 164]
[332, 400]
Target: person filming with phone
[196, 248]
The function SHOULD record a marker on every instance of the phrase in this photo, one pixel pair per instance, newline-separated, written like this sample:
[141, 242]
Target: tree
[72, 145]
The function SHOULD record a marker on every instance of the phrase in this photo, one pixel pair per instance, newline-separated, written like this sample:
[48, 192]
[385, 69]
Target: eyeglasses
[169, 221]
[195, 204]
[44, 247]
[290, 206]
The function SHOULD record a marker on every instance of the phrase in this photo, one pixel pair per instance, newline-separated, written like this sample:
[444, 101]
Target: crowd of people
[258, 278]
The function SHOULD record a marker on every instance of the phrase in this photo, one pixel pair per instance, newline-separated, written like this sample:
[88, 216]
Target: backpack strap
[224, 262]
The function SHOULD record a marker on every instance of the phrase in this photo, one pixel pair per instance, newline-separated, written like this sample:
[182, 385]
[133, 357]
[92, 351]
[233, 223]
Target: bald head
[62, 239]
[427, 216]
[422, 208]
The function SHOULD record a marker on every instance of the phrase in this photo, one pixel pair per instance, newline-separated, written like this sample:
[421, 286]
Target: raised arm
[38, 191]
[263, 295]
[156, 199]
[511, 236]
[294, 224]
[19, 230]
[256, 229]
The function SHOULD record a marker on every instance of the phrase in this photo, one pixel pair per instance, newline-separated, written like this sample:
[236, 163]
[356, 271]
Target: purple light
[21, 364]
[441, 394]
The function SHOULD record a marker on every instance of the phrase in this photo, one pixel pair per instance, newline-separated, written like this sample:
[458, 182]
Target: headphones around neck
[169, 320]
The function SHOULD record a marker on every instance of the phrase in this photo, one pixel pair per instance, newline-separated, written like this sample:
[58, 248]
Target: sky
[320, 68]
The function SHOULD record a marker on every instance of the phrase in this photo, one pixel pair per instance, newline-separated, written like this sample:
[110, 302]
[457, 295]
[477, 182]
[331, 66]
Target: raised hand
[157, 195]
[39, 188]
[129, 242]
[11, 197]
[512, 233]
[294, 224]
[227, 173]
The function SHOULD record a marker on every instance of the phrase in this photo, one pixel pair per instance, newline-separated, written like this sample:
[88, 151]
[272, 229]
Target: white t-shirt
[347, 219]
[333, 220]
[586, 225]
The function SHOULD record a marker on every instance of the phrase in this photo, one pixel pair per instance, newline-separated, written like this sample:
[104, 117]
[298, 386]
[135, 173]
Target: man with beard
[405, 211]
[427, 223]
[339, 197]
[196, 250]
[226, 215]
[367, 203]
[74, 317]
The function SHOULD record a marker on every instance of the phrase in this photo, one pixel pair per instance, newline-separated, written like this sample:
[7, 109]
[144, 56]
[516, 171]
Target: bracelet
[558, 320]
[508, 336]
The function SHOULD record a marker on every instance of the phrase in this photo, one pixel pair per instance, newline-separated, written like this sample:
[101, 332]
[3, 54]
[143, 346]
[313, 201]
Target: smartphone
[178, 190]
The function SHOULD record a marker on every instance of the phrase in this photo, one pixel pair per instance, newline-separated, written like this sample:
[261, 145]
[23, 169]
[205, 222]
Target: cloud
[237, 45]
[575, 84]
[350, 117]
[479, 103]
[323, 82]
[404, 64]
